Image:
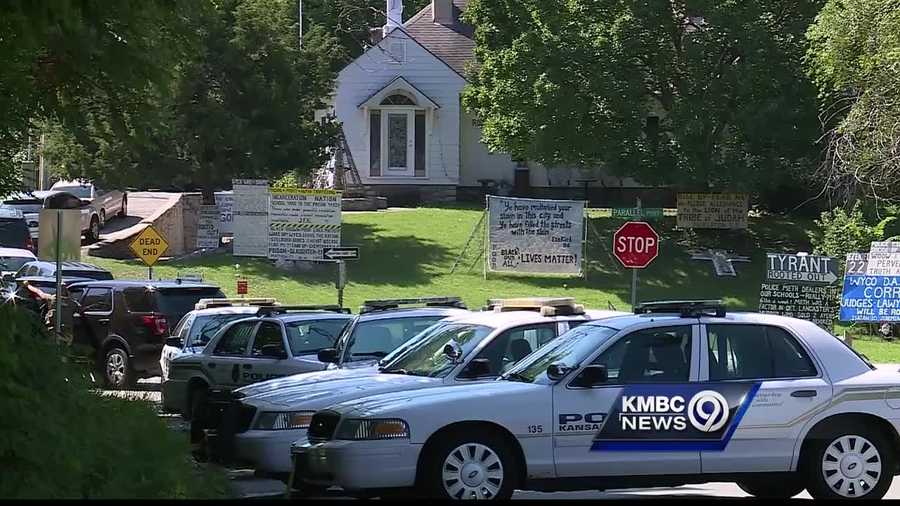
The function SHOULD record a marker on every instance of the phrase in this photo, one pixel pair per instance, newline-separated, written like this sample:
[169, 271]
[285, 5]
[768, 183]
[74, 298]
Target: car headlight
[358, 429]
[271, 420]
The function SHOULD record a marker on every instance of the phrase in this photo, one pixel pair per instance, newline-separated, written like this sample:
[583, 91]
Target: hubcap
[851, 466]
[95, 229]
[472, 471]
[115, 368]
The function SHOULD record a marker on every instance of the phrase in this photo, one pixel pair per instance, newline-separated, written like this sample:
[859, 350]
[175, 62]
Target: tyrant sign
[636, 244]
[149, 246]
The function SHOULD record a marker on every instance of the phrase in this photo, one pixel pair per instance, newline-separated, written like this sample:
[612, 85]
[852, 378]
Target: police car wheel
[850, 463]
[781, 488]
[466, 466]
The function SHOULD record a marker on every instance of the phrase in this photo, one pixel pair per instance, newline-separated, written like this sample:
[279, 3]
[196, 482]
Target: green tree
[573, 82]
[854, 57]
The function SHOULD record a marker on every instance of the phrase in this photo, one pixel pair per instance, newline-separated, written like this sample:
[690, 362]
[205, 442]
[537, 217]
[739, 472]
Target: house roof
[453, 44]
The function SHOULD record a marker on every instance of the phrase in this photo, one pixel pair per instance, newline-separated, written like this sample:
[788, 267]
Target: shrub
[841, 232]
[60, 439]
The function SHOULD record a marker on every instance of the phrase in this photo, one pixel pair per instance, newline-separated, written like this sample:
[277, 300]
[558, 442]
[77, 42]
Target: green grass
[878, 351]
[410, 252]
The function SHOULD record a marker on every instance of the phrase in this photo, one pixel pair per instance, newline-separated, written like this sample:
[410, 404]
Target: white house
[408, 134]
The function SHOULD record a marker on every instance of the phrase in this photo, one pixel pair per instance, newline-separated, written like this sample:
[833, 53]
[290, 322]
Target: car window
[656, 355]
[98, 300]
[516, 344]
[206, 326]
[235, 339]
[181, 330]
[268, 334]
[14, 233]
[180, 301]
[427, 357]
[139, 300]
[376, 338]
[306, 337]
[754, 352]
[82, 192]
[75, 293]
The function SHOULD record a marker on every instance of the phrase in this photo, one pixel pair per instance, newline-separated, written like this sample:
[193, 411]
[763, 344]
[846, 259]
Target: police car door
[772, 386]
[617, 427]
[229, 353]
[269, 357]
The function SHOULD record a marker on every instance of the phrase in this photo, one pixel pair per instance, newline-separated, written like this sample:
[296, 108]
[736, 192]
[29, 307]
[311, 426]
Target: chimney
[394, 16]
[442, 12]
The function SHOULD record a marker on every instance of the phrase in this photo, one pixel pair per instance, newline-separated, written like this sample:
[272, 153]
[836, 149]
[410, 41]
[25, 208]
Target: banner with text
[713, 210]
[535, 236]
[251, 217]
[871, 288]
[303, 223]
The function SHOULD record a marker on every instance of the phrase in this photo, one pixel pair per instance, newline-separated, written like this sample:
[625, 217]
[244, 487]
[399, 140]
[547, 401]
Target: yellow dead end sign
[149, 246]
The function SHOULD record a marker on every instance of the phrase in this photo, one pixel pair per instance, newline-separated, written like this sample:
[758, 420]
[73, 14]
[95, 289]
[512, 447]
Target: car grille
[323, 425]
[236, 419]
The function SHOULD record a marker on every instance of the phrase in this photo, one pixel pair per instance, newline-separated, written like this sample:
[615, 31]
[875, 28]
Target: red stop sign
[636, 244]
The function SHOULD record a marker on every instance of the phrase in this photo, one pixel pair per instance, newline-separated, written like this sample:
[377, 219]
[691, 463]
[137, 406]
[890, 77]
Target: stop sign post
[635, 245]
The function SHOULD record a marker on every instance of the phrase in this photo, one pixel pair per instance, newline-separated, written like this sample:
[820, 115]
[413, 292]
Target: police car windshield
[569, 349]
[375, 339]
[428, 357]
[206, 326]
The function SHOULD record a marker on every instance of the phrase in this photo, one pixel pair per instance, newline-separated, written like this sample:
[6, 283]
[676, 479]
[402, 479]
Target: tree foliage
[854, 57]
[572, 83]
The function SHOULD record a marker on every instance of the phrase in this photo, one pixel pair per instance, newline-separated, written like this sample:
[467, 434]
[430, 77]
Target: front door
[786, 388]
[638, 364]
[229, 354]
[265, 362]
[400, 142]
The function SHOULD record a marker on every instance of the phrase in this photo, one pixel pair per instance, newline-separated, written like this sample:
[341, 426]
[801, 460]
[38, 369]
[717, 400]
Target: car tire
[116, 372]
[123, 212]
[93, 233]
[849, 463]
[489, 463]
[199, 394]
[781, 488]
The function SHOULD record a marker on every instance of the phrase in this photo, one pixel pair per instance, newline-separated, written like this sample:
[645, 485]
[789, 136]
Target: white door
[651, 361]
[399, 150]
[786, 388]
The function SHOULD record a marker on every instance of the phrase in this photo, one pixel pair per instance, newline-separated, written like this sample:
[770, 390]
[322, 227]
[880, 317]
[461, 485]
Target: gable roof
[453, 44]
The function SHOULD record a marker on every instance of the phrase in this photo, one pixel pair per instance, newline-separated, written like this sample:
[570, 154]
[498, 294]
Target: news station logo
[675, 417]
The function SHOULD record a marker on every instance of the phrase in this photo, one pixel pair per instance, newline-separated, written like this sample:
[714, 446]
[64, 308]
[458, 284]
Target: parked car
[14, 229]
[107, 203]
[679, 393]
[12, 259]
[283, 340]
[458, 350]
[195, 330]
[31, 204]
[15, 292]
[42, 268]
[126, 323]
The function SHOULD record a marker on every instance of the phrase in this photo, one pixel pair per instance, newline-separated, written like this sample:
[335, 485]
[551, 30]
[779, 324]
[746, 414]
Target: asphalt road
[247, 486]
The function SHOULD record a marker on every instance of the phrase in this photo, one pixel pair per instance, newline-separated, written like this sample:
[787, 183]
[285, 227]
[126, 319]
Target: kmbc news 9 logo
[675, 417]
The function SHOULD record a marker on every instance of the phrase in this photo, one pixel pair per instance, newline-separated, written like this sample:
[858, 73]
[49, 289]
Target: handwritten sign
[225, 203]
[713, 210]
[303, 223]
[208, 227]
[251, 217]
[869, 297]
[800, 286]
[535, 236]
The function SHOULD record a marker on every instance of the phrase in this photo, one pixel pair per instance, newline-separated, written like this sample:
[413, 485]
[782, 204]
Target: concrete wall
[176, 219]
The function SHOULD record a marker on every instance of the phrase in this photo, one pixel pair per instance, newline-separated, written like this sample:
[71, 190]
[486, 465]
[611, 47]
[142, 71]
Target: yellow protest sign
[149, 246]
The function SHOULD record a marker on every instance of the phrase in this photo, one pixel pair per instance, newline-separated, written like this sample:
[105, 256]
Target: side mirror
[592, 375]
[477, 368]
[557, 372]
[274, 351]
[328, 356]
[174, 341]
[453, 351]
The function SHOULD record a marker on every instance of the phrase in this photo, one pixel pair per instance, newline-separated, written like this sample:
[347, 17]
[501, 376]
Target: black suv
[125, 323]
[14, 232]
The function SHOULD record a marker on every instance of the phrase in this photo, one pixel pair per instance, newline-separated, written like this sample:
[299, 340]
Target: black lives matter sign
[800, 286]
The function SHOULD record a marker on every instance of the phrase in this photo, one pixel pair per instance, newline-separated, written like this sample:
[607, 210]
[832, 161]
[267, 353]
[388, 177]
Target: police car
[459, 350]
[679, 393]
[283, 340]
[196, 328]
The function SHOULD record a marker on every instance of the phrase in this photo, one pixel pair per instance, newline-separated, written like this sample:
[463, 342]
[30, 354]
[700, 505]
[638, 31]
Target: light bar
[548, 306]
[213, 303]
[380, 305]
[268, 310]
[685, 308]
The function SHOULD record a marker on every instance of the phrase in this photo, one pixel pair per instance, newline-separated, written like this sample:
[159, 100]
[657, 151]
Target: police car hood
[457, 398]
[305, 379]
[315, 396]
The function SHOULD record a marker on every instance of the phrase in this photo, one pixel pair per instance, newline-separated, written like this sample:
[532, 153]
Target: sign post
[341, 281]
[635, 245]
[57, 324]
[149, 246]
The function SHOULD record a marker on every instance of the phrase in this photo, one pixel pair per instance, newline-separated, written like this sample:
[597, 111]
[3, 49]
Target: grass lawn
[410, 252]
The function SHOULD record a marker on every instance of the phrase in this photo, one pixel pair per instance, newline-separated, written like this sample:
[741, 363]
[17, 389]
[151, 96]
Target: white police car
[459, 350]
[681, 393]
[196, 328]
[283, 340]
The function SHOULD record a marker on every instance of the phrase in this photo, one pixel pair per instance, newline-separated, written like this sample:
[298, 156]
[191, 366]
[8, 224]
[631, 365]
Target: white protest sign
[883, 264]
[208, 227]
[884, 247]
[713, 210]
[535, 236]
[303, 223]
[225, 203]
[251, 217]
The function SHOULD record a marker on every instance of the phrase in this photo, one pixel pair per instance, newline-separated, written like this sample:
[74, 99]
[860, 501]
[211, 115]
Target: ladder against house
[340, 171]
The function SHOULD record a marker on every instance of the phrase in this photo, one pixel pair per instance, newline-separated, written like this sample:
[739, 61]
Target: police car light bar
[213, 303]
[548, 306]
[685, 308]
[270, 310]
[382, 305]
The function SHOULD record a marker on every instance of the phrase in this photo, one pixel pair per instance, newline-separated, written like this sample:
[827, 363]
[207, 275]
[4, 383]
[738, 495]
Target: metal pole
[342, 280]
[633, 288]
[300, 18]
[150, 272]
[58, 299]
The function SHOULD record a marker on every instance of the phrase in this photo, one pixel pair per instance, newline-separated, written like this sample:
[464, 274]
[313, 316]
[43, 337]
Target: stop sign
[636, 244]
